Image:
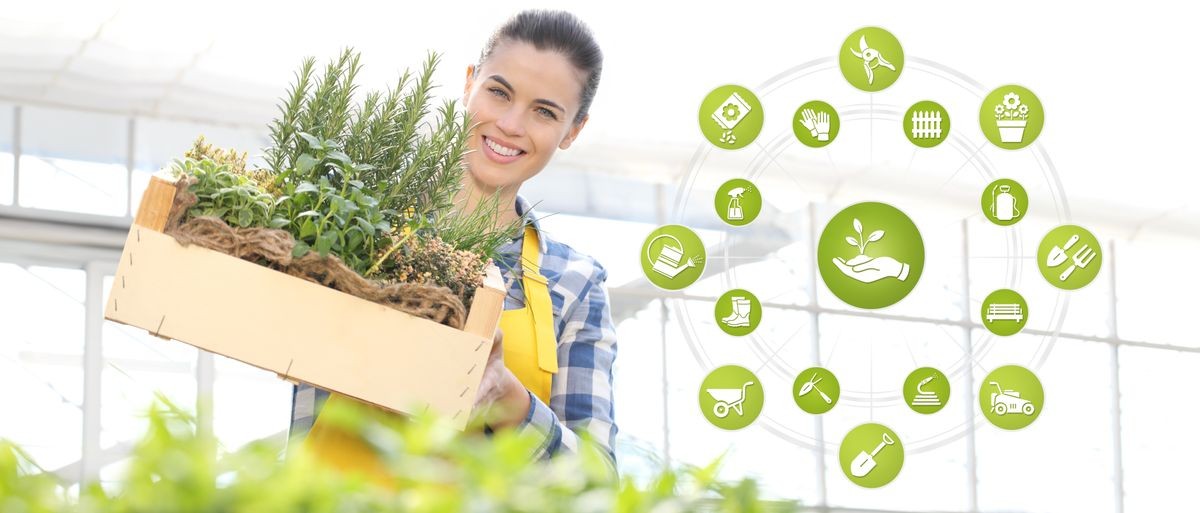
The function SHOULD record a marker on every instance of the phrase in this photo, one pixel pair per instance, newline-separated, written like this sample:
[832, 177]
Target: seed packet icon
[731, 112]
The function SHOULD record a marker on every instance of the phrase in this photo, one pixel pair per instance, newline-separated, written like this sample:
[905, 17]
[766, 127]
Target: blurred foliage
[436, 469]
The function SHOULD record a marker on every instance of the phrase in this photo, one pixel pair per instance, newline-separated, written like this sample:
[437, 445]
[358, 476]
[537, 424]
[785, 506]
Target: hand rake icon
[871, 59]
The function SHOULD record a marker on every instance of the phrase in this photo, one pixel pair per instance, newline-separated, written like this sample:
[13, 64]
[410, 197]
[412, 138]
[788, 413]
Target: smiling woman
[550, 370]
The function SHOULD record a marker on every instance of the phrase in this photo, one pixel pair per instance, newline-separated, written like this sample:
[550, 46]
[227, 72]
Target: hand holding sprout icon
[817, 123]
[867, 269]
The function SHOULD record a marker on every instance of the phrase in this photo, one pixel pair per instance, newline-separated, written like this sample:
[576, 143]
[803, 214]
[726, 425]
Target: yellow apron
[530, 352]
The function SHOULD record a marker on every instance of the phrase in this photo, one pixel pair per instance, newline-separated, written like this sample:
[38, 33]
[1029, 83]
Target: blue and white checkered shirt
[581, 393]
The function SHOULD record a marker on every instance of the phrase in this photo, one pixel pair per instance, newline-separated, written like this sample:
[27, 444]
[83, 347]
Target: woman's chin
[489, 178]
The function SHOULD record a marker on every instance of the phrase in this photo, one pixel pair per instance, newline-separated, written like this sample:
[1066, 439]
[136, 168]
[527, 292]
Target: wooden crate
[303, 331]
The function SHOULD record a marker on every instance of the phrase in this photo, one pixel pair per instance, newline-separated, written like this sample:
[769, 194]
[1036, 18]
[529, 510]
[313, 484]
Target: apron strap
[537, 299]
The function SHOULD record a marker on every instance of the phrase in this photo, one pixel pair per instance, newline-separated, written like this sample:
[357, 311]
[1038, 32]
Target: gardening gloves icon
[817, 123]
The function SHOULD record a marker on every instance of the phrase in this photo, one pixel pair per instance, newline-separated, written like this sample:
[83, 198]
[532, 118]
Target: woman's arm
[581, 398]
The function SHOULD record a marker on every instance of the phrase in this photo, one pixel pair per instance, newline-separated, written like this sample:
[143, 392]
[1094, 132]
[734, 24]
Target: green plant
[176, 468]
[404, 155]
[374, 183]
[222, 193]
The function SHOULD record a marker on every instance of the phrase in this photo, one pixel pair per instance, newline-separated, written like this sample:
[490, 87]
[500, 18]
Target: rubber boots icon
[740, 317]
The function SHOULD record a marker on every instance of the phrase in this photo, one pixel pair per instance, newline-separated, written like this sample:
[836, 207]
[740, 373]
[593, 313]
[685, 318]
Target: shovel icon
[864, 463]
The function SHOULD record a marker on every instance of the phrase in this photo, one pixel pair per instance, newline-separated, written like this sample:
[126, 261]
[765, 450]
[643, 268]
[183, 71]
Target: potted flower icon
[1011, 117]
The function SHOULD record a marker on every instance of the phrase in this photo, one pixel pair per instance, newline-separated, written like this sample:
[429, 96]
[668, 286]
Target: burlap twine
[274, 247]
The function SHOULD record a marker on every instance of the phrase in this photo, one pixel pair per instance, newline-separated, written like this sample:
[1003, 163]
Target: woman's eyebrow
[542, 101]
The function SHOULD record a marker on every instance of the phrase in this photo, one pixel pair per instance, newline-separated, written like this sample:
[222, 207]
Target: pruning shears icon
[871, 59]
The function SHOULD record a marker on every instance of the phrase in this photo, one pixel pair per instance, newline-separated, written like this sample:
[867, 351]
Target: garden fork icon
[871, 59]
[1081, 259]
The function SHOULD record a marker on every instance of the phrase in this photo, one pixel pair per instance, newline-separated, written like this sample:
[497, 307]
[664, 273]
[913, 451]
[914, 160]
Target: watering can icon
[670, 260]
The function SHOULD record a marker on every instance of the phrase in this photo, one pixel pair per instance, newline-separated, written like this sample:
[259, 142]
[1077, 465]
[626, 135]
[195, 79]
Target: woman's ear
[573, 133]
[470, 81]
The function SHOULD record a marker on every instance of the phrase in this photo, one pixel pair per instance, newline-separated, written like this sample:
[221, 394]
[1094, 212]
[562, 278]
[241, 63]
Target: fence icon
[927, 124]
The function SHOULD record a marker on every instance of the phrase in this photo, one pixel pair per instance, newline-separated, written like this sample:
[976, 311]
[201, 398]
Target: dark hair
[558, 31]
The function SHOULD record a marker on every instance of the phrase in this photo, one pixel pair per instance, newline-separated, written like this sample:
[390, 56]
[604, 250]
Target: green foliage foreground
[436, 469]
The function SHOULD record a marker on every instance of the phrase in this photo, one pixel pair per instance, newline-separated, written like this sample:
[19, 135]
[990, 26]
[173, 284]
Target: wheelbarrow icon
[728, 398]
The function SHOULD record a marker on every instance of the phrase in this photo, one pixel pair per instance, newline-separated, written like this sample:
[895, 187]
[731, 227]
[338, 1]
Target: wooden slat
[156, 204]
[301, 330]
[484, 316]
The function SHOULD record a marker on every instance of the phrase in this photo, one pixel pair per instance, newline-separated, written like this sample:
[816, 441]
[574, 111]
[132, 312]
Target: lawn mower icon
[1006, 402]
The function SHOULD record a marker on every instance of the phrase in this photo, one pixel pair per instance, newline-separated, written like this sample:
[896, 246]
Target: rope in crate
[274, 246]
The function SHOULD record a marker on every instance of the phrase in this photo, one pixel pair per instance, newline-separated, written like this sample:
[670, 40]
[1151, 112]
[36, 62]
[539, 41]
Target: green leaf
[306, 187]
[339, 156]
[366, 226]
[300, 249]
[307, 229]
[305, 163]
[325, 243]
[279, 222]
[312, 141]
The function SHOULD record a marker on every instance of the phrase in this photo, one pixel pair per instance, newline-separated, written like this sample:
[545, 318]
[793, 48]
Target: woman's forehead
[536, 73]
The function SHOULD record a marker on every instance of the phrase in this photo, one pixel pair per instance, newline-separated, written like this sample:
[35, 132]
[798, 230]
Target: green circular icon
[870, 255]
[731, 117]
[926, 390]
[1004, 202]
[816, 390]
[1011, 397]
[871, 455]
[871, 59]
[672, 257]
[926, 124]
[1011, 117]
[1004, 312]
[816, 124]
[738, 312]
[738, 202]
[1069, 257]
[731, 397]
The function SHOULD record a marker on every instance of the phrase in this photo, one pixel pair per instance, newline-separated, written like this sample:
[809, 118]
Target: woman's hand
[501, 397]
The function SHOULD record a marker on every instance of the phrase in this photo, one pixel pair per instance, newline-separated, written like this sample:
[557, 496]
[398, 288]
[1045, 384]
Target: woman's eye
[547, 113]
[500, 93]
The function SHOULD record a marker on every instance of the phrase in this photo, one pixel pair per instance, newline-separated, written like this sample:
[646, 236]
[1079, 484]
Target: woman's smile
[499, 151]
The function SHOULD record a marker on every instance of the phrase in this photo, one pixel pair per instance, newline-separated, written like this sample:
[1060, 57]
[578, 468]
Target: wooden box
[303, 331]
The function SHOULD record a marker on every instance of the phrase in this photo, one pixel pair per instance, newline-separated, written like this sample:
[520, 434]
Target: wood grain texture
[156, 204]
[298, 329]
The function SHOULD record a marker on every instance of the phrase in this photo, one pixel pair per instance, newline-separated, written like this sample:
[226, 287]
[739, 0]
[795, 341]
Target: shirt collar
[523, 207]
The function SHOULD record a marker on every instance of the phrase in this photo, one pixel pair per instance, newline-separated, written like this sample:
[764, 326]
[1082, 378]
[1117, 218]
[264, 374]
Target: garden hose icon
[670, 260]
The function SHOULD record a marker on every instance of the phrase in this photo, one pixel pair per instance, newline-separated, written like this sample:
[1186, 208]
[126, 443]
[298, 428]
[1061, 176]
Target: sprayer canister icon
[671, 259]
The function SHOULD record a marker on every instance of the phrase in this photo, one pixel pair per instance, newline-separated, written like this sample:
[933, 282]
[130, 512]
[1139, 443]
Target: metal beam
[93, 367]
[1115, 356]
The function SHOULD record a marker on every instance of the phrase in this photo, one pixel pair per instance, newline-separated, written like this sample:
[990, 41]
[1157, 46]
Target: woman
[550, 371]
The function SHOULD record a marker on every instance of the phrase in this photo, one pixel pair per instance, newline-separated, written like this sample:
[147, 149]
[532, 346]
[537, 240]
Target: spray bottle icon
[734, 211]
[1004, 204]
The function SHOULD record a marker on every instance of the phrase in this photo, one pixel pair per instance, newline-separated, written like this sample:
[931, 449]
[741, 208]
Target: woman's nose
[511, 123]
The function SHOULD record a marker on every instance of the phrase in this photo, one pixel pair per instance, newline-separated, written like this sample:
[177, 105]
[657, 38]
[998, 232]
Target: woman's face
[523, 102]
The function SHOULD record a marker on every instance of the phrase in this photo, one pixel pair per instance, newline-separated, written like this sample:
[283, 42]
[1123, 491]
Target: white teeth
[507, 152]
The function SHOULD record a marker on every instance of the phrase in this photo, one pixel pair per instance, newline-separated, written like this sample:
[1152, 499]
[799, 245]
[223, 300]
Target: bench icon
[1004, 312]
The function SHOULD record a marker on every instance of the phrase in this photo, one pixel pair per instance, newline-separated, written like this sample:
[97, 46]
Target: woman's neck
[474, 194]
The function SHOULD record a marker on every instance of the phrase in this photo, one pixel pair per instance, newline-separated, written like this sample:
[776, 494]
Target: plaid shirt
[581, 394]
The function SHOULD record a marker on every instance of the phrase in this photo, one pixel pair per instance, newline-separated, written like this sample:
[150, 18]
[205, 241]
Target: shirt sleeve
[581, 397]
